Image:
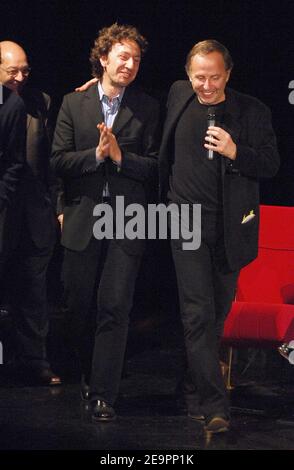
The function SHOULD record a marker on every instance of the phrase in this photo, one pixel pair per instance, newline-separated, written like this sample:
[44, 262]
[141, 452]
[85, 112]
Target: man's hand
[87, 85]
[221, 142]
[103, 148]
[108, 146]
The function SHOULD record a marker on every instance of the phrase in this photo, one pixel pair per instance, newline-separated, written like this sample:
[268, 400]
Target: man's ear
[103, 60]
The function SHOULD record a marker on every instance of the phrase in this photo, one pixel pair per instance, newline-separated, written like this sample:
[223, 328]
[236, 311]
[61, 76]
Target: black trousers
[206, 291]
[24, 271]
[101, 281]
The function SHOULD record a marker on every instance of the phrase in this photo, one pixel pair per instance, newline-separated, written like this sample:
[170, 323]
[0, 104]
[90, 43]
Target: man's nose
[206, 84]
[130, 63]
[20, 76]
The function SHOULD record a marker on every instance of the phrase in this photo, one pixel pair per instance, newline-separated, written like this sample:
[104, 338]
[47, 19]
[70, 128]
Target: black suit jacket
[36, 186]
[249, 123]
[12, 159]
[74, 159]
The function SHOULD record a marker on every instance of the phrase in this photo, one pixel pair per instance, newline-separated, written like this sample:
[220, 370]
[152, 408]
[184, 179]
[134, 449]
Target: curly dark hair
[109, 36]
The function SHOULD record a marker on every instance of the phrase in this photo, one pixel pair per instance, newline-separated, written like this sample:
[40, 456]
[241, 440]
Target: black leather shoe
[217, 424]
[28, 375]
[32, 376]
[46, 377]
[85, 390]
[102, 411]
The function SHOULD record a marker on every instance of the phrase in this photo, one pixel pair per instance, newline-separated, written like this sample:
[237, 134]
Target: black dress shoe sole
[103, 419]
[47, 382]
[42, 380]
[54, 383]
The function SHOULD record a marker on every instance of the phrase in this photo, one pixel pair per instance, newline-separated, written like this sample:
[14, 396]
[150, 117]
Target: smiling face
[14, 67]
[208, 76]
[121, 65]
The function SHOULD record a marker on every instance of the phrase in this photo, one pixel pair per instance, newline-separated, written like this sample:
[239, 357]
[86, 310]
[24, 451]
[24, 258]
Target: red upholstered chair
[263, 312]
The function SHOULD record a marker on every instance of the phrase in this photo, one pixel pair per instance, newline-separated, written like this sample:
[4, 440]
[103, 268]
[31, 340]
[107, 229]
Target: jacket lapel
[93, 105]
[125, 112]
[178, 107]
[94, 108]
[232, 116]
[231, 122]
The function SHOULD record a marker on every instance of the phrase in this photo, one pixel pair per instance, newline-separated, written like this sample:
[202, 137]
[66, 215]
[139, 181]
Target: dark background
[58, 36]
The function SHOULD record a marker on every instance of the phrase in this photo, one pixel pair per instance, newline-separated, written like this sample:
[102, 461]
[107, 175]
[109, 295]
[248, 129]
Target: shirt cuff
[118, 166]
[98, 160]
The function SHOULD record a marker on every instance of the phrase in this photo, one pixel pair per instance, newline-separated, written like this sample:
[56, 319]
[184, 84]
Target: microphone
[211, 120]
[287, 351]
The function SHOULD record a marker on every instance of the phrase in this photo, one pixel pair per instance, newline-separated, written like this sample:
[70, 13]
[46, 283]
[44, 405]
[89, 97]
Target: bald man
[27, 272]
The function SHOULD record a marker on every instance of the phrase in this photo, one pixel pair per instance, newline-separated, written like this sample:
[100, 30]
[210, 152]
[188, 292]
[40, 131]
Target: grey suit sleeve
[66, 161]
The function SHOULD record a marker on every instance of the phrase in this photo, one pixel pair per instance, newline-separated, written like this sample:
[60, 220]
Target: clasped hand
[220, 141]
[108, 146]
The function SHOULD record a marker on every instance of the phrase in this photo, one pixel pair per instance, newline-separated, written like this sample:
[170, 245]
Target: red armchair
[263, 312]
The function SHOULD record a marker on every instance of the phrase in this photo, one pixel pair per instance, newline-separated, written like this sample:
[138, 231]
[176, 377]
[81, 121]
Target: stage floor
[149, 415]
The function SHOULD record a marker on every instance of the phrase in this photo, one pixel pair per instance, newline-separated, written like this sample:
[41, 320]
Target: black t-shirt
[194, 178]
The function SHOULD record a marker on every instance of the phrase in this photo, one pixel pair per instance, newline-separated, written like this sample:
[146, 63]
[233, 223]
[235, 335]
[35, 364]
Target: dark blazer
[74, 159]
[12, 160]
[249, 123]
[35, 190]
